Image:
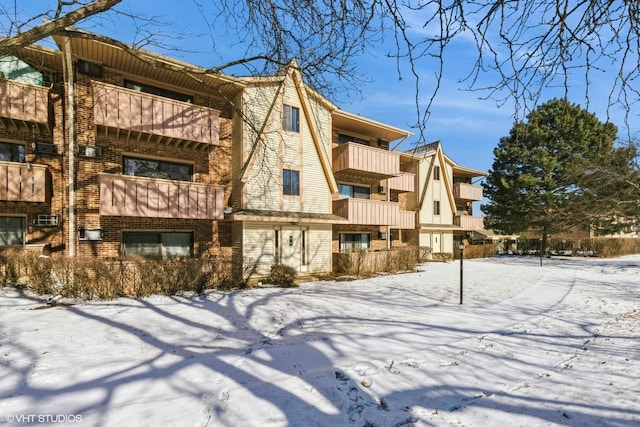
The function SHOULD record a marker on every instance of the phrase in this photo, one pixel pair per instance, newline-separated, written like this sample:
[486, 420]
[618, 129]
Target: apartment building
[112, 151]
[372, 184]
[282, 179]
[123, 155]
[444, 199]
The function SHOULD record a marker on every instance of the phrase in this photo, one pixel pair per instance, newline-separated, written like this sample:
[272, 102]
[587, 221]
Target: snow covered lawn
[531, 345]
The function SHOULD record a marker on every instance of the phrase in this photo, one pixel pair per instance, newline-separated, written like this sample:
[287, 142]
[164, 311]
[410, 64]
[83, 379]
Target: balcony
[367, 212]
[24, 107]
[469, 222]
[463, 191]
[139, 116]
[23, 182]
[404, 182]
[351, 159]
[373, 212]
[122, 195]
[406, 220]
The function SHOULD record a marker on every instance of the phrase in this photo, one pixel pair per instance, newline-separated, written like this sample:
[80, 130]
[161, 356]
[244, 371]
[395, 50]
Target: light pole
[540, 252]
[461, 261]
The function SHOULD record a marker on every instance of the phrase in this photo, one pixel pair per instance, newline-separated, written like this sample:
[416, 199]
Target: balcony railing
[24, 105]
[468, 222]
[367, 212]
[463, 191]
[403, 182]
[122, 195]
[23, 182]
[362, 160]
[406, 220]
[374, 212]
[135, 114]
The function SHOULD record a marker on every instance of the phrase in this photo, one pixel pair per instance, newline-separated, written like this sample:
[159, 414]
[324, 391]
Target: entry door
[292, 248]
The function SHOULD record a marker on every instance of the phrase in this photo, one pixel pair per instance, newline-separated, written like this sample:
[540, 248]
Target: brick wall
[53, 205]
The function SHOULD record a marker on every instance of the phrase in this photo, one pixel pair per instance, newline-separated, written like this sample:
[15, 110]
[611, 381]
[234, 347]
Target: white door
[293, 247]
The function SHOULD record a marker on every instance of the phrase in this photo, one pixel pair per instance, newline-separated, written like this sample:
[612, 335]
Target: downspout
[71, 113]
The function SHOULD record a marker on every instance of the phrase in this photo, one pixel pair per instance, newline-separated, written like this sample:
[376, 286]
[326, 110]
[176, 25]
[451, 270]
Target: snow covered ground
[530, 346]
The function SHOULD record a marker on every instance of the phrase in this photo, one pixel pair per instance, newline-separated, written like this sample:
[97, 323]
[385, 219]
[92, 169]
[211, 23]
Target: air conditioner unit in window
[382, 235]
[45, 148]
[46, 220]
[90, 234]
[382, 189]
[90, 151]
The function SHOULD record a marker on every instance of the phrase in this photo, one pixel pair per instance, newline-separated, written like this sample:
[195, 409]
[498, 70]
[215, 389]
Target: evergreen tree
[534, 181]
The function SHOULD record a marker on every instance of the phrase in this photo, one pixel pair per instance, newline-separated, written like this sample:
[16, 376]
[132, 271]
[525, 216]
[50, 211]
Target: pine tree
[534, 182]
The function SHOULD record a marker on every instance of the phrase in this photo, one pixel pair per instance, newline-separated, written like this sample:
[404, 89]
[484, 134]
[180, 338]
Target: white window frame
[291, 118]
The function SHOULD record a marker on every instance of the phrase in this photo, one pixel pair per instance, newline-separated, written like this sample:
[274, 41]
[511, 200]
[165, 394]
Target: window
[12, 230]
[157, 169]
[354, 242]
[436, 207]
[291, 118]
[276, 244]
[347, 191]
[343, 139]
[436, 173]
[11, 152]
[290, 182]
[157, 244]
[165, 93]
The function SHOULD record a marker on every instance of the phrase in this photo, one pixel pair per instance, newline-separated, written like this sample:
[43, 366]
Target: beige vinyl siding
[259, 246]
[317, 195]
[446, 210]
[263, 188]
[319, 249]
[237, 158]
[438, 241]
[437, 190]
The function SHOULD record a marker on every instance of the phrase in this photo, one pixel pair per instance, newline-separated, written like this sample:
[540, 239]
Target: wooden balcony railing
[468, 222]
[374, 212]
[362, 160]
[406, 220]
[132, 114]
[23, 105]
[122, 195]
[469, 192]
[367, 212]
[23, 182]
[403, 182]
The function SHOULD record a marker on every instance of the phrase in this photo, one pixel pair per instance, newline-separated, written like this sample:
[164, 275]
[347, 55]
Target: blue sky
[469, 127]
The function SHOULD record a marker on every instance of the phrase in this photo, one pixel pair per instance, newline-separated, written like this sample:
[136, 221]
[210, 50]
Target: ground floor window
[157, 244]
[12, 230]
[354, 242]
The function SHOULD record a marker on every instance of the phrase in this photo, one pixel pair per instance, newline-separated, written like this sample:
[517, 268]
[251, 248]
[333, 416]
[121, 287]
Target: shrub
[282, 276]
[442, 256]
[478, 251]
[91, 278]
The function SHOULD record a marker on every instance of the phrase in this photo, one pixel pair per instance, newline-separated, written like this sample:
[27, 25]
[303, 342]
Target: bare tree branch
[61, 21]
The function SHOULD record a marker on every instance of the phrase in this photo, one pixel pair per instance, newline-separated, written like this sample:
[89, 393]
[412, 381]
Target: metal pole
[540, 252]
[461, 269]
